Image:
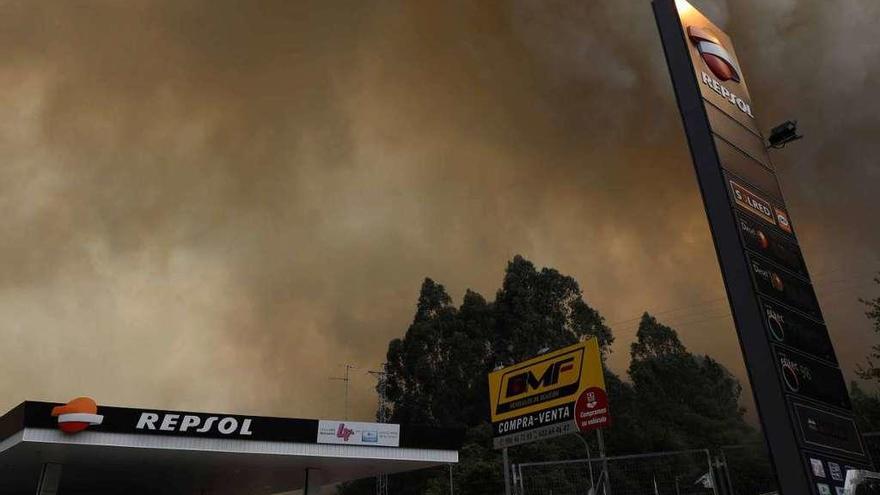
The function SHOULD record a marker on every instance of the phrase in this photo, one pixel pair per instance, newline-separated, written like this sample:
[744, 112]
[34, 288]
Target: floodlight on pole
[783, 134]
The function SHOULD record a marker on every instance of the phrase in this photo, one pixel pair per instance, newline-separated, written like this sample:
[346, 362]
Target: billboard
[552, 394]
[799, 389]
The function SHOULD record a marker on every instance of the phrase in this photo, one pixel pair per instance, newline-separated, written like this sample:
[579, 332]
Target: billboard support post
[50, 479]
[589, 457]
[600, 439]
[451, 483]
[506, 462]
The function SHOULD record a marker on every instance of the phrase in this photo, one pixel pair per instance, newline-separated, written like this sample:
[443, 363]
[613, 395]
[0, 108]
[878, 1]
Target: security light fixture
[783, 134]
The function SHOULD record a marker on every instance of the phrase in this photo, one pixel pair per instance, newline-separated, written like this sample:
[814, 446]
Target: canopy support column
[50, 478]
[314, 480]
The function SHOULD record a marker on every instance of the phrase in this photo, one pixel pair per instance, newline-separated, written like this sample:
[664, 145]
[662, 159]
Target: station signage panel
[549, 395]
[783, 287]
[791, 329]
[828, 430]
[805, 409]
[770, 244]
[737, 163]
[810, 378]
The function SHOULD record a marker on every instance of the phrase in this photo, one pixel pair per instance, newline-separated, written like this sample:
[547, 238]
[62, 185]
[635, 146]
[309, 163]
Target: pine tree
[682, 400]
[870, 371]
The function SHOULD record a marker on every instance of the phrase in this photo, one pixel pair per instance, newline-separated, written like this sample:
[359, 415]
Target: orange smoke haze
[213, 205]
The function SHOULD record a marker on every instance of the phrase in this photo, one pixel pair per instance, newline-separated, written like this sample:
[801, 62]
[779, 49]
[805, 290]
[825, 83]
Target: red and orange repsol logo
[77, 415]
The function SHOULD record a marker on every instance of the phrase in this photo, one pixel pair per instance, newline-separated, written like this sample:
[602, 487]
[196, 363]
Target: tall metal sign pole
[799, 389]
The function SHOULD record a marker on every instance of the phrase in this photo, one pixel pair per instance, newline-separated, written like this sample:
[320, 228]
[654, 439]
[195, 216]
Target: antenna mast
[347, 380]
[382, 417]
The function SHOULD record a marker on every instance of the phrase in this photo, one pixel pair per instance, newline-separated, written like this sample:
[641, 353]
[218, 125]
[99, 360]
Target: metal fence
[687, 472]
[730, 470]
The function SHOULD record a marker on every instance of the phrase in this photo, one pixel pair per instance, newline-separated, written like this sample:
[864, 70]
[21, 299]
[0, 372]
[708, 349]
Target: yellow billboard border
[591, 375]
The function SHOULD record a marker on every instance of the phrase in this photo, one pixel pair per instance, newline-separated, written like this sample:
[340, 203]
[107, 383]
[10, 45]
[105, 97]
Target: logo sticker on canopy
[77, 415]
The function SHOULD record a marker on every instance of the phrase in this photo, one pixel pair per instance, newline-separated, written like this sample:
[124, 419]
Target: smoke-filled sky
[212, 205]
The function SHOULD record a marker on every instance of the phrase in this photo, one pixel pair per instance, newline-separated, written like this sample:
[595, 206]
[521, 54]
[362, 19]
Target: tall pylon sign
[799, 389]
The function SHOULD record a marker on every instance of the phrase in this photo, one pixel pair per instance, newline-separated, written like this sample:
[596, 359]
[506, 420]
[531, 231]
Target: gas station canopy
[79, 448]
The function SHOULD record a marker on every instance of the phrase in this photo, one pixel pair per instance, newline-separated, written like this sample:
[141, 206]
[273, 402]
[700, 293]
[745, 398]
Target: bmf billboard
[799, 389]
[549, 395]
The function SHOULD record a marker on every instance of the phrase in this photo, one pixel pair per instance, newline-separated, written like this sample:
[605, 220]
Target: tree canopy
[871, 371]
[682, 400]
[436, 375]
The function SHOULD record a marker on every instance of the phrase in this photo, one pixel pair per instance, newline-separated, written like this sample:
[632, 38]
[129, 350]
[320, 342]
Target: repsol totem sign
[552, 394]
[799, 389]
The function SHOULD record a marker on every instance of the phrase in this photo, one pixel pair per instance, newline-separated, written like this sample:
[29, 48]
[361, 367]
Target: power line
[703, 307]
[727, 314]
[667, 311]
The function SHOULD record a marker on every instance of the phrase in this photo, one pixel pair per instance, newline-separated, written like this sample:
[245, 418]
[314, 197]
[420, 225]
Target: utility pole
[382, 417]
[347, 380]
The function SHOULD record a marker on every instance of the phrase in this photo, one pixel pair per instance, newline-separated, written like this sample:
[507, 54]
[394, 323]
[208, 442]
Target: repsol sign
[194, 424]
[727, 94]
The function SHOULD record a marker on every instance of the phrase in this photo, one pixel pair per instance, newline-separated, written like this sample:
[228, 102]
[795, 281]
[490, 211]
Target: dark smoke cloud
[213, 205]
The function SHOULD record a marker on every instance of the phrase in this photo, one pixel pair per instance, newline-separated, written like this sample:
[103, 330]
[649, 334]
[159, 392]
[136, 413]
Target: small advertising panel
[549, 395]
[355, 433]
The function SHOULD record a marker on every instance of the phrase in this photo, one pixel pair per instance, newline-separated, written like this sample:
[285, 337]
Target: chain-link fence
[731, 470]
[686, 472]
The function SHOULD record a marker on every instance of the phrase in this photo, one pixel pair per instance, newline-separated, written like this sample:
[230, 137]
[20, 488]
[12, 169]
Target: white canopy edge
[232, 446]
